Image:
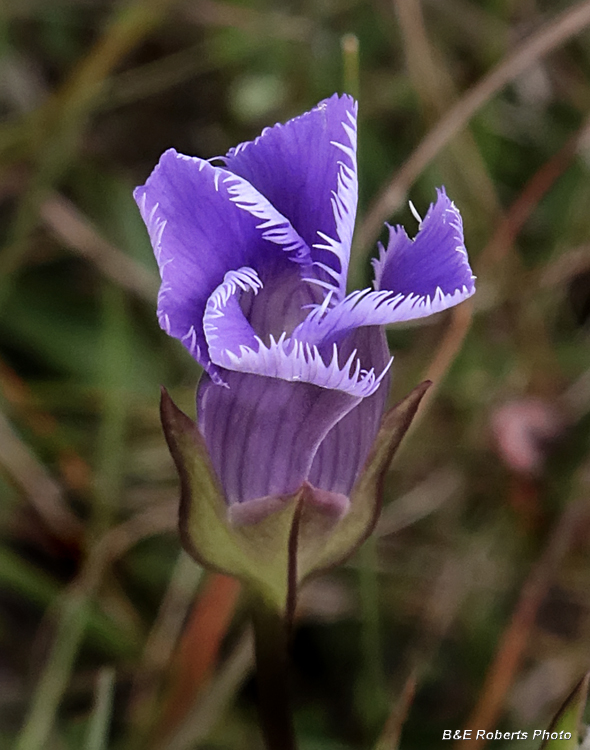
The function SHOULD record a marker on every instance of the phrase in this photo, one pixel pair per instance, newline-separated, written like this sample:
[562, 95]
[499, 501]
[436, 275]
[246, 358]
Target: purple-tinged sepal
[324, 548]
[273, 543]
[257, 554]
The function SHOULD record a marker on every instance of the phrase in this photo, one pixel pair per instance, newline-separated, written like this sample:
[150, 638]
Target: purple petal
[413, 279]
[280, 305]
[234, 345]
[433, 268]
[307, 170]
[263, 433]
[343, 451]
[204, 221]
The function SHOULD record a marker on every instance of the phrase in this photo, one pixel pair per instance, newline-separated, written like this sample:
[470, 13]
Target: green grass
[90, 95]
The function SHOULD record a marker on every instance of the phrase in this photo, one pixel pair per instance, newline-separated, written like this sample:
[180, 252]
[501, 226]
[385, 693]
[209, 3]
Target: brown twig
[160, 645]
[53, 132]
[449, 590]
[435, 87]
[514, 640]
[494, 253]
[550, 36]
[198, 650]
[273, 24]
[449, 348]
[75, 471]
[214, 702]
[392, 732]
[566, 266]
[444, 356]
[42, 490]
[529, 198]
[72, 228]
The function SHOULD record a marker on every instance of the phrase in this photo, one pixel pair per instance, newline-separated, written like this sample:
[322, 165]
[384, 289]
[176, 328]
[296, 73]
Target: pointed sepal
[326, 541]
[256, 553]
[565, 727]
[273, 544]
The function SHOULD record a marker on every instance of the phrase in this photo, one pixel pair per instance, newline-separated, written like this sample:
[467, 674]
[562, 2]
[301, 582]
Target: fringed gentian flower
[253, 256]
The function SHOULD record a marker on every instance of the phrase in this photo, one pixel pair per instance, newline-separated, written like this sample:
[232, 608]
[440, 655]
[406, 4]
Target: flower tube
[253, 255]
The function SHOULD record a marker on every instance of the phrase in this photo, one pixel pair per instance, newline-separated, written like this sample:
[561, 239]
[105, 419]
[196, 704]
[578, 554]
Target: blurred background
[471, 605]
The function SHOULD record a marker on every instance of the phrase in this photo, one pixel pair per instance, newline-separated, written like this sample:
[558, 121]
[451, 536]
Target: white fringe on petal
[286, 358]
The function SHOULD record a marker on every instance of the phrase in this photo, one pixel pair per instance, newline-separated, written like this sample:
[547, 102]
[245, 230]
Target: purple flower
[253, 257]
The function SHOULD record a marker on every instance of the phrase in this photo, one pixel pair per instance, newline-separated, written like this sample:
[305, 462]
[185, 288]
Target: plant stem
[374, 699]
[272, 672]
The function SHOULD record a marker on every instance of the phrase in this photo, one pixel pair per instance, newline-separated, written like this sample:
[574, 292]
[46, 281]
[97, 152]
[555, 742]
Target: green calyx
[274, 544]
